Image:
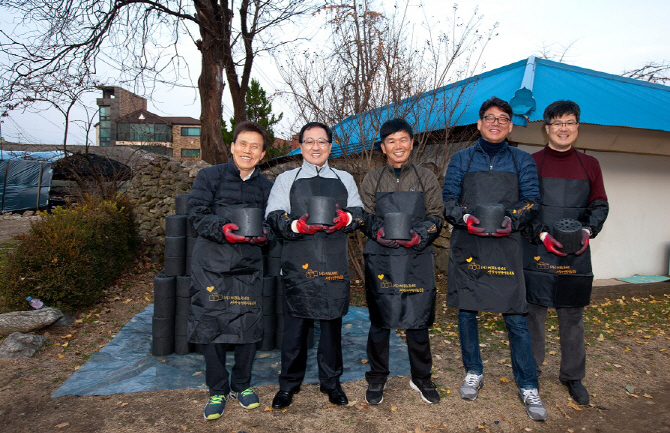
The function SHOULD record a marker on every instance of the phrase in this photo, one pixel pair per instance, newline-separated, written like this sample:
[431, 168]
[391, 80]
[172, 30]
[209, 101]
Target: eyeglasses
[502, 120]
[558, 124]
[310, 142]
[392, 141]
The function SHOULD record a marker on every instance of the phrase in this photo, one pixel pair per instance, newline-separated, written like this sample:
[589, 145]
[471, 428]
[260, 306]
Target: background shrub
[70, 255]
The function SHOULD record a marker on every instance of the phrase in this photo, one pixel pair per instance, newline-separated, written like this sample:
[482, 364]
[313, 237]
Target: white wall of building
[636, 237]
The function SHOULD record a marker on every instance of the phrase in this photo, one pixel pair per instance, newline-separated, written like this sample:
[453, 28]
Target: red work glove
[381, 240]
[586, 235]
[308, 229]
[410, 243]
[259, 239]
[472, 229]
[340, 221]
[552, 245]
[506, 228]
[231, 237]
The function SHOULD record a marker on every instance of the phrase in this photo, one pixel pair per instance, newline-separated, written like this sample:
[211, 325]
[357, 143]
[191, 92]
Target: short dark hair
[311, 125]
[495, 102]
[394, 125]
[248, 126]
[561, 108]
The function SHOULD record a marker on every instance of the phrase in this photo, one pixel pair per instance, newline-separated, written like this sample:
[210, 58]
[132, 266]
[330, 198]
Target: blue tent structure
[25, 179]
[529, 85]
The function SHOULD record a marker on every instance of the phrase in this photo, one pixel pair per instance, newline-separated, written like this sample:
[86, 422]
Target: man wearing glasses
[485, 269]
[314, 264]
[400, 274]
[571, 185]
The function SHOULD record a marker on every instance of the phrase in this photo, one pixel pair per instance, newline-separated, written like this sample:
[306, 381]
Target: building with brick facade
[125, 121]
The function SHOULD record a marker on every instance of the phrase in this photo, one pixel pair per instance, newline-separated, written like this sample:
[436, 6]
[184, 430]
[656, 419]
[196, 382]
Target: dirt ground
[628, 376]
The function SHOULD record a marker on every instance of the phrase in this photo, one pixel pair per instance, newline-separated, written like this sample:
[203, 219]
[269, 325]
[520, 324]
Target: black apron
[226, 290]
[400, 282]
[555, 281]
[315, 268]
[486, 273]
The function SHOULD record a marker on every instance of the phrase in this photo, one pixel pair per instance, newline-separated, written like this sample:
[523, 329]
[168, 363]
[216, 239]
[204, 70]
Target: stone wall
[152, 192]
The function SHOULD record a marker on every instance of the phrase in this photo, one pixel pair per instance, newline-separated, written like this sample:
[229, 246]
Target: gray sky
[609, 36]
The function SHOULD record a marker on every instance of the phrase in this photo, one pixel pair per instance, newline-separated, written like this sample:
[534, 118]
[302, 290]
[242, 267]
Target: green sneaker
[214, 407]
[247, 398]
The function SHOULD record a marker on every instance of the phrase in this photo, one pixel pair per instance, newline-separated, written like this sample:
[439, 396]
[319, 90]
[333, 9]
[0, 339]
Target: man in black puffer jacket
[226, 269]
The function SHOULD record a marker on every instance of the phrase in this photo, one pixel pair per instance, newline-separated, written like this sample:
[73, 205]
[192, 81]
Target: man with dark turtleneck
[485, 269]
[571, 184]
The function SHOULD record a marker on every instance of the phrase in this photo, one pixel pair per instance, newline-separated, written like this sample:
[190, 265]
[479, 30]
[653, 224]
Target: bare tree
[654, 72]
[377, 66]
[141, 38]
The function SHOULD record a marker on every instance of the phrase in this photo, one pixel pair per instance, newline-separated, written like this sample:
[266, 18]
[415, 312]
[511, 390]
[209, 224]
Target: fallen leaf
[552, 352]
[267, 409]
[647, 396]
[394, 408]
[197, 373]
[183, 427]
[505, 380]
[60, 355]
[601, 337]
[62, 425]
[574, 405]
[629, 389]
[364, 361]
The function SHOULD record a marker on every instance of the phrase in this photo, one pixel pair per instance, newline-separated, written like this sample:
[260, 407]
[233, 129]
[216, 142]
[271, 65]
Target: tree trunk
[211, 84]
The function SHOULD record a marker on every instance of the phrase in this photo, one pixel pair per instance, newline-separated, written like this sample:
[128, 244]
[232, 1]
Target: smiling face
[494, 132]
[397, 147]
[315, 148]
[562, 132]
[247, 151]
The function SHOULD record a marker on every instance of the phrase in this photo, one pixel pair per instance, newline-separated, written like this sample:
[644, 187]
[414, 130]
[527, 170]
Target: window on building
[190, 132]
[190, 153]
[105, 113]
[143, 132]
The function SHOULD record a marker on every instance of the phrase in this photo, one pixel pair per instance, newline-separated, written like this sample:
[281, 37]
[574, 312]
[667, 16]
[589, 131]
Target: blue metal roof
[530, 85]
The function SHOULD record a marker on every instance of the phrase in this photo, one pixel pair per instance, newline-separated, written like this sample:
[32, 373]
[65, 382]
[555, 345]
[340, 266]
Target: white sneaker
[534, 407]
[472, 383]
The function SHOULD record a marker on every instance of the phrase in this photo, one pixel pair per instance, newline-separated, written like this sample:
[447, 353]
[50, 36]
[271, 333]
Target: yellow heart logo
[305, 266]
[537, 258]
[380, 276]
[468, 260]
[210, 288]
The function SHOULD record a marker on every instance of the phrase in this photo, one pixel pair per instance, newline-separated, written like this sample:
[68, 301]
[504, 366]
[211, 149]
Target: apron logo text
[558, 269]
[234, 300]
[493, 270]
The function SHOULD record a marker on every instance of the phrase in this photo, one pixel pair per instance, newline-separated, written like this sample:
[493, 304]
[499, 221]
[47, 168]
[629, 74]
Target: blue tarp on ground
[126, 365]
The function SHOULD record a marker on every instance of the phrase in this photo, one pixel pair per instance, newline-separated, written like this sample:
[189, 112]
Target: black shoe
[577, 391]
[375, 393]
[336, 395]
[283, 399]
[426, 388]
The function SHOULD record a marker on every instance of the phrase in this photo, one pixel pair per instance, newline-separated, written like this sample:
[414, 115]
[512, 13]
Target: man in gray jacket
[314, 263]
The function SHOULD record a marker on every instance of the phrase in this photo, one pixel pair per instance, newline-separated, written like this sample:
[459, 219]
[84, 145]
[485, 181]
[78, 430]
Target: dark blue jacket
[529, 190]
[217, 187]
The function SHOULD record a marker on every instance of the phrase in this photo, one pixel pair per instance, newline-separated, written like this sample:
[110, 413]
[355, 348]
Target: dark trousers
[418, 348]
[294, 352]
[216, 375]
[571, 333]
